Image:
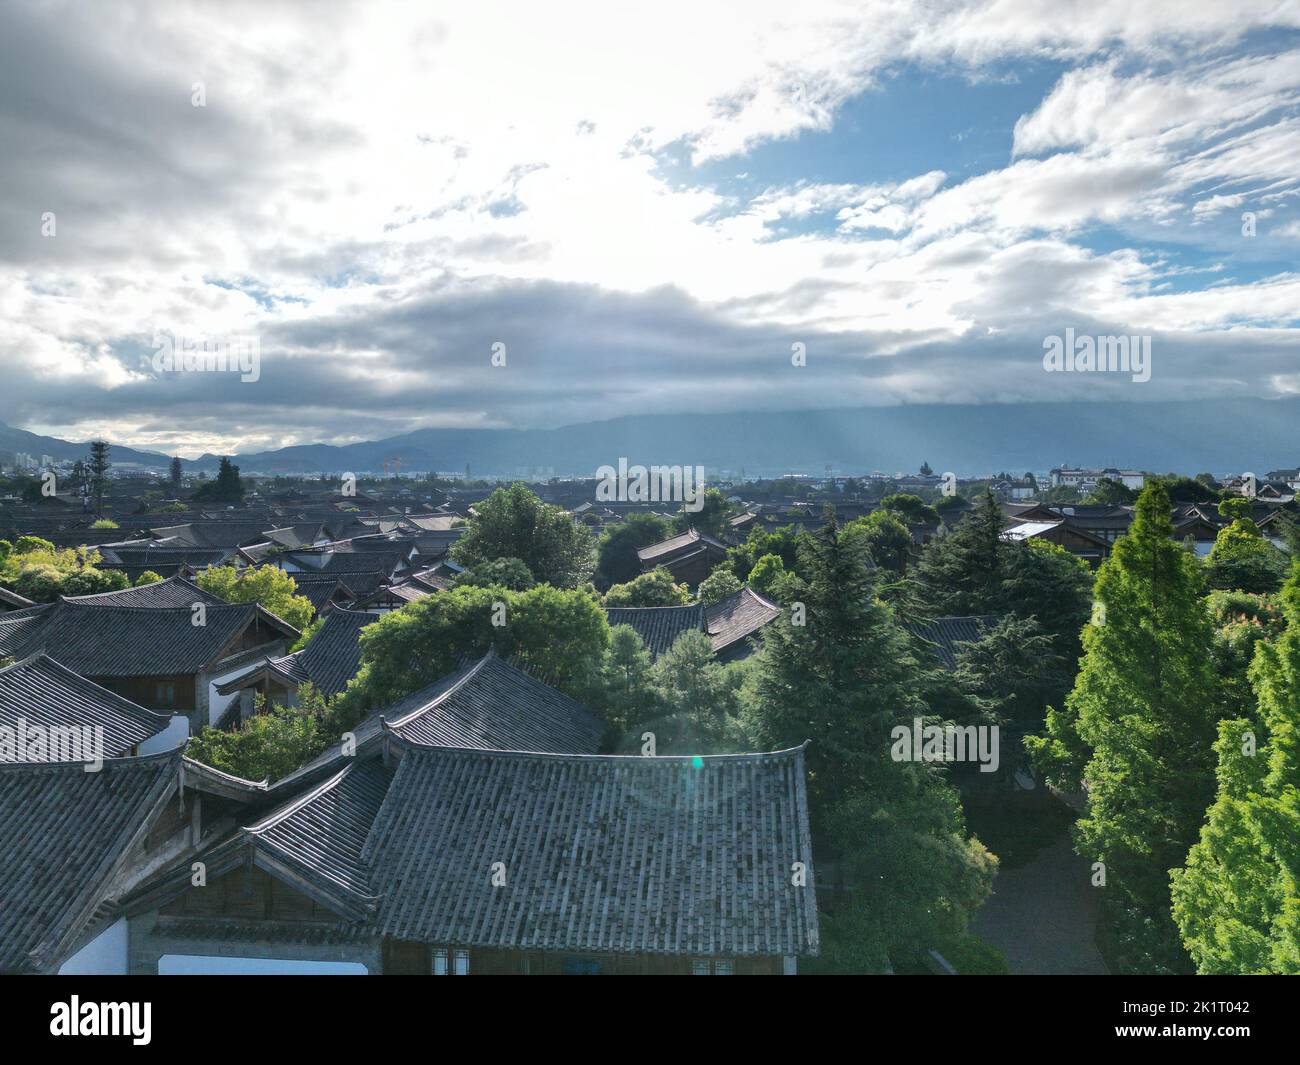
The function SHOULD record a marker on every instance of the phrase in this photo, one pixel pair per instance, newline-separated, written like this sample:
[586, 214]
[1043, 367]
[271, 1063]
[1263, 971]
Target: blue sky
[645, 209]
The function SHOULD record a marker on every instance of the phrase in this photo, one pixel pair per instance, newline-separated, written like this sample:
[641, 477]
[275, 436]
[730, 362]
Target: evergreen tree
[961, 573]
[98, 471]
[843, 679]
[628, 691]
[175, 476]
[1237, 900]
[1141, 719]
[227, 488]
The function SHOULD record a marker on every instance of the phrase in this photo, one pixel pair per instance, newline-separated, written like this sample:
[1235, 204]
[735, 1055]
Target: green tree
[98, 470]
[1109, 490]
[147, 577]
[711, 518]
[272, 743]
[911, 508]
[655, 588]
[499, 573]
[783, 542]
[561, 634]
[1236, 900]
[1142, 715]
[1241, 559]
[513, 523]
[699, 698]
[718, 585]
[843, 680]
[768, 577]
[616, 558]
[174, 476]
[628, 693]
[228, 487]
[887, 538]
[274, 589]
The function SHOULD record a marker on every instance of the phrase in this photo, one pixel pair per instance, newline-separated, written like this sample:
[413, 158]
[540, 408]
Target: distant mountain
[16, 440]
[1221, 436]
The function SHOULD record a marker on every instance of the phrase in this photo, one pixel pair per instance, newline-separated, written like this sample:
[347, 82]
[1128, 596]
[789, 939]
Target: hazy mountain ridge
[1221, 436]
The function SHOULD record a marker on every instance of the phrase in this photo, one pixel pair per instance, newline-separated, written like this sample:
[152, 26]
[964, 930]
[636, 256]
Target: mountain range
[1221, 436]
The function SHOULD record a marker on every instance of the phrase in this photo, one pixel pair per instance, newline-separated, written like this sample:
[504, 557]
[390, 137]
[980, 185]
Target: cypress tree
[1141, 721]
[1237, 900]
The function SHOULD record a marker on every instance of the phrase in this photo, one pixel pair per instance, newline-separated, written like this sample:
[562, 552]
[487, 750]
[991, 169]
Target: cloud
[380, 194]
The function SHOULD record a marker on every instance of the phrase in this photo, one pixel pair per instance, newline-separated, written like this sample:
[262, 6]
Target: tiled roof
[119, 641]
[489, 703]
[599, 853]
[17, 627]
[172, 592]
[13, 599]
[321, 834]
[332, 656]
[946, 635]
[213, 534]
[677, 544]
[42, 692]
[495, 705]
[659, 626]
[64, 833]
[738, 617]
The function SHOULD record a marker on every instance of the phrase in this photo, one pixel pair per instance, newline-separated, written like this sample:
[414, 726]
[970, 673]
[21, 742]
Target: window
[713, 967]
[450, 963]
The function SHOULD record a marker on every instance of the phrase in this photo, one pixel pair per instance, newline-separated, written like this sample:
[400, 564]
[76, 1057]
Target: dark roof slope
[330, 659]
[64, 833]
[18, 626]
[321, 834]
[13, 599]
[172, 592]
[600, 852]
[659, 626]
[946, 635]
[495, 705]
[689, 541]
[42, 692]
[738, 617]
[120, 641]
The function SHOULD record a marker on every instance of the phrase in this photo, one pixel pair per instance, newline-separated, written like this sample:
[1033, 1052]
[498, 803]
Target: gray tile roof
[493, 704]
[330, 659]
[10, 599]
[121, 641]
[17, 627]
[489, 703]
[689, 541]
[601, 852]
[321, 834]
[737, 617]
[944, 636]
[42, 692]
[172, 592]
[64, 833]
[659, 626]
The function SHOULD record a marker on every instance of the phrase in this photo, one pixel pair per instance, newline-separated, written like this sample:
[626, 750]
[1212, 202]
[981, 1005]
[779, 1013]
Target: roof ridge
[439, 699]
[294, 805]
[626, 759]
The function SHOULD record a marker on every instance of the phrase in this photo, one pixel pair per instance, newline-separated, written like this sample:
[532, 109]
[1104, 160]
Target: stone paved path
[1043, 916]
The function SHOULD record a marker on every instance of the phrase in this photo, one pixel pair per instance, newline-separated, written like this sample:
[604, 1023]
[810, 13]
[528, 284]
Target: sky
[677, 207]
